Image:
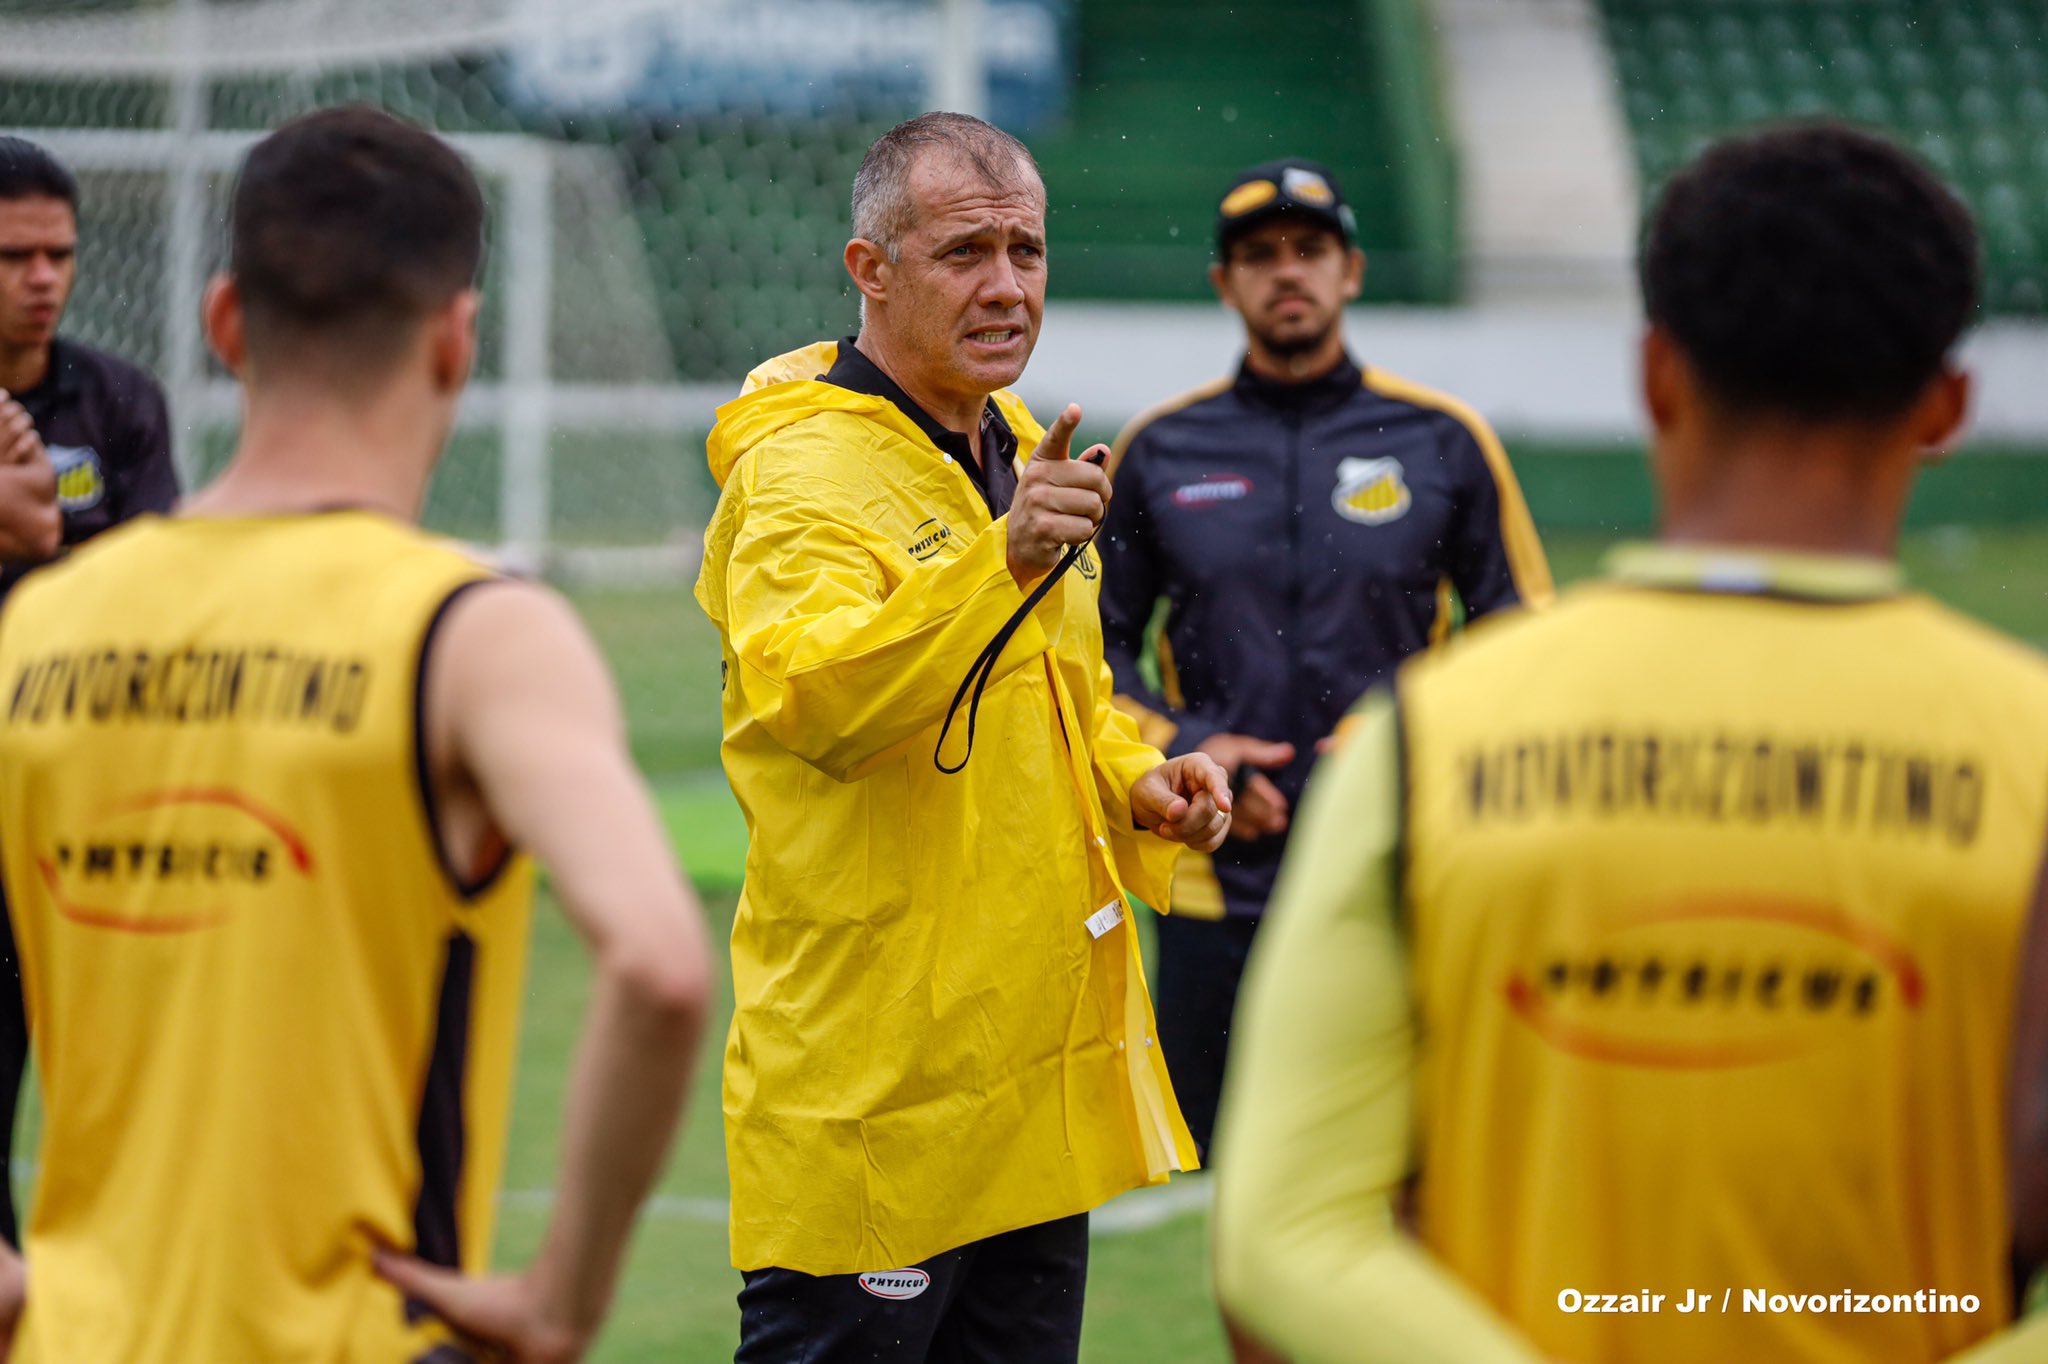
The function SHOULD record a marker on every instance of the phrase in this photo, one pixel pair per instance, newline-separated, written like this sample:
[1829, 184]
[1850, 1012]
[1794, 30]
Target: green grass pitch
[1148, 1297]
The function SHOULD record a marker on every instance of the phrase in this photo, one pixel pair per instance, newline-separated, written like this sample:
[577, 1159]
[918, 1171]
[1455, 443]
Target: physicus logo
[1715, 983]
[928, 539]
[81, 483]
[1370, 491]
[171, 861]
[896, 1284]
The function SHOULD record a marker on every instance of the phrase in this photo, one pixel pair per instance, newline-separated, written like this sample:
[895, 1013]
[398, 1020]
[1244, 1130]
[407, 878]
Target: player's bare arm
[13, 1296]
[2027, 1124]
[526, 740]
[31, 527]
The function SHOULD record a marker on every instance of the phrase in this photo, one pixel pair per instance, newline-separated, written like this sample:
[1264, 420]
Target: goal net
[668, 183]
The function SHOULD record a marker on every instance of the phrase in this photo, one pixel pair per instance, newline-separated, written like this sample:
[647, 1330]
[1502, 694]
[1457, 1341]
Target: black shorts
[1200, 963]
[1010, 1299]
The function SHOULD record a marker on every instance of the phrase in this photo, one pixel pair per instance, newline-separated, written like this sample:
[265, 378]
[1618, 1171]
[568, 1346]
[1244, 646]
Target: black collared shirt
[108, 434]
[995, 473]
[1331, 389]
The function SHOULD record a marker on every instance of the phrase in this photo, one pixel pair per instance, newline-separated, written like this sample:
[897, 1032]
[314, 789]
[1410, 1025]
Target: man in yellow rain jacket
[942, 1054]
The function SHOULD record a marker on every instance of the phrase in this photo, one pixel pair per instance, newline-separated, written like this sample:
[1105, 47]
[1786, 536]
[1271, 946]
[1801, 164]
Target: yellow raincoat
[929, 1046]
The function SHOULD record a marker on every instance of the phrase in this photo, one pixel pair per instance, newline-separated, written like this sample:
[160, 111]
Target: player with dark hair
[270, 774]
[1668, 938]
[1309, 522]
[101, 420]
[85, 444]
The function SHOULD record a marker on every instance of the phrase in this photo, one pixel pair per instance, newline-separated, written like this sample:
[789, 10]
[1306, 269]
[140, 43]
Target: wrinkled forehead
[949, 191]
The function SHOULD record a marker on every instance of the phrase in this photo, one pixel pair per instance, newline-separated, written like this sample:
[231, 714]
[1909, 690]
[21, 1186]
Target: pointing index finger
[1059, 438]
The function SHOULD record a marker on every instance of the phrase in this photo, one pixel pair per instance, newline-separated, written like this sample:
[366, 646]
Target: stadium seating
[1172, 97]
[1965, 82]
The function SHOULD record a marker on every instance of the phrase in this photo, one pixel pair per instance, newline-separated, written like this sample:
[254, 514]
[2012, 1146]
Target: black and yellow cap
[1302, 188]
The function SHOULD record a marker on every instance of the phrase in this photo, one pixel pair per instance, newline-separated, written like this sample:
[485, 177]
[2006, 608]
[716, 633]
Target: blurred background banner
[669, 182]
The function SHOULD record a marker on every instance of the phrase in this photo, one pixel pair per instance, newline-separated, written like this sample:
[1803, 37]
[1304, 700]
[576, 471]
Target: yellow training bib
[273, 1030]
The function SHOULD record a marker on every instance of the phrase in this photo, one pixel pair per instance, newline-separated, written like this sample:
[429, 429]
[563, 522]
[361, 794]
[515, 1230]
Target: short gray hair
[883, 209]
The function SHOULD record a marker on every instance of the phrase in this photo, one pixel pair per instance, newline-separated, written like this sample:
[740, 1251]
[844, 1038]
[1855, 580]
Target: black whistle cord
[978, 675]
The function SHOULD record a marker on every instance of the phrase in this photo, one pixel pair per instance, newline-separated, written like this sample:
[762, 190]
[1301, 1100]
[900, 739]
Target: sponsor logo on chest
[1371, 491]
[928, 539]
[1212, 490]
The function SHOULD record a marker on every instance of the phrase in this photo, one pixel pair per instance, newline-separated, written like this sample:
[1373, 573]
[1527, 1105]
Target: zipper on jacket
[1294, 569]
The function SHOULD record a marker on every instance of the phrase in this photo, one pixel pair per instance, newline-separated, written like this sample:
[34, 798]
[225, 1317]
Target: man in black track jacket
[1309, 523]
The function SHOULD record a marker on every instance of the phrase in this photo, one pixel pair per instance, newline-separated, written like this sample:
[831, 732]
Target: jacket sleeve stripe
[1440, 627]
[1155, 412]
[1517, 529]
[1154, 728]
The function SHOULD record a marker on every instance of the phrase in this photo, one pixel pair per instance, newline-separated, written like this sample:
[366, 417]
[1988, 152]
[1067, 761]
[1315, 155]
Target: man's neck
[23, 367]
[1794, 492]
[955, 412]
[1298, 367]
[303, 453]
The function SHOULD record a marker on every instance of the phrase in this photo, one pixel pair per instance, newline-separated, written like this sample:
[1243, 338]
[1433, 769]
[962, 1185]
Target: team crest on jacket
[1370, 491]
[80, 481]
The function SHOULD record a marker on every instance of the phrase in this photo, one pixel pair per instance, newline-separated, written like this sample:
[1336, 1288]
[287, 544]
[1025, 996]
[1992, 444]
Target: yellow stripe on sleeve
[1526, 562]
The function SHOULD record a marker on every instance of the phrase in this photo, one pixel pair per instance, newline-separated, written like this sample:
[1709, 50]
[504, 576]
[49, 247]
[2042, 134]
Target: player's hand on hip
[1261, 808]
[13, 1298]
[1059, 500]
[19, 443]
[1184, 800]
[502, 1312]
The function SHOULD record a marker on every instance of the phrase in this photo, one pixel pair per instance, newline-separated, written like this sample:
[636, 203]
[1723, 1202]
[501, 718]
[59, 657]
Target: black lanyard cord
[985, 665]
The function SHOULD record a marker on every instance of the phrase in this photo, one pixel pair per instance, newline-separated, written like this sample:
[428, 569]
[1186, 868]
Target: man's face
[1290, 282]
[38, 261]
[968, 288]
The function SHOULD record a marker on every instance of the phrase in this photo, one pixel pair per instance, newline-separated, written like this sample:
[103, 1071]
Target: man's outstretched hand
[1185, 800]
[13, 1297]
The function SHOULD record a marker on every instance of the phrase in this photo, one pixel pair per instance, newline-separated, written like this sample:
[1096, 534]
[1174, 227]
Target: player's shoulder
[1504, 637]
[116, 556]
[828, 446]
[1406, 396]
[1197, 404]
[1979, 655]
[106, 374]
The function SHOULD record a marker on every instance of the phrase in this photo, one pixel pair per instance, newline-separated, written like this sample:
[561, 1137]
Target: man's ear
[452, 340]
[220, 315]
[1354, 272]
[1939, 415]
[1662, 378]
[1219, 280]
[869, 266]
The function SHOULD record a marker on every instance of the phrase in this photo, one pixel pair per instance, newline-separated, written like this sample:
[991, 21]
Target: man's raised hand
[1059, 502]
